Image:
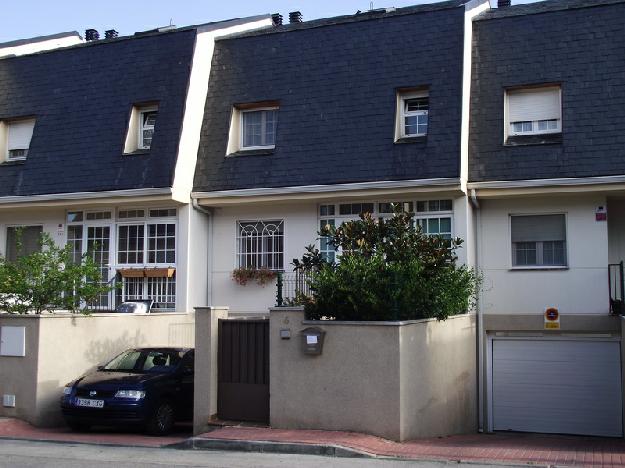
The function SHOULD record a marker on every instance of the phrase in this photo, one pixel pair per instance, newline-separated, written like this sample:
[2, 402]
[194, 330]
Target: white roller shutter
[557, 386]
[20, 134]
[534, 104]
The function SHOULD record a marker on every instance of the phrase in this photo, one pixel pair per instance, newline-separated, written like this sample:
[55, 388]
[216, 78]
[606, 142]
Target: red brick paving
[509, 447]
[16, 429]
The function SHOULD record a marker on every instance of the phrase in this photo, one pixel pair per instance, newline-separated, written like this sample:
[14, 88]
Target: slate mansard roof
[579, 44]
[82, 97]
[336, 82]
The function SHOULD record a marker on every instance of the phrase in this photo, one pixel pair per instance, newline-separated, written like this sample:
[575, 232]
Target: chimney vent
[92, 35]
[277, 19]
[295, 17]
[110, 34]
[503, 3]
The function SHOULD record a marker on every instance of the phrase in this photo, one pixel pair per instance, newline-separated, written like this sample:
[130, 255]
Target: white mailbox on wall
[13, 341]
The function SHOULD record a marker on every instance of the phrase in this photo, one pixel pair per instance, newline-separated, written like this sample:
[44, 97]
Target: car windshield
[145, 360]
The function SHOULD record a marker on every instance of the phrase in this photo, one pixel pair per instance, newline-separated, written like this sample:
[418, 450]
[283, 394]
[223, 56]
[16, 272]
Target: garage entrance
[551, 385]
[243, 370]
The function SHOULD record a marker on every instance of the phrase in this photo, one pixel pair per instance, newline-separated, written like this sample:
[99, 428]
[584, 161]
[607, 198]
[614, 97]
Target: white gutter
[530, 183]
[451, 183]
[480, 316]
[209, 260]
[147, 192]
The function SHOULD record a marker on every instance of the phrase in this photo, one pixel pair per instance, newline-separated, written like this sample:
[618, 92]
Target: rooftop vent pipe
[295, 17]
[277, 19]
[92, 35]
[503, 3]
[110, 34]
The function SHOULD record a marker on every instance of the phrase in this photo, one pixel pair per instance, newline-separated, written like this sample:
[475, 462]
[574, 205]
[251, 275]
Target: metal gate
[243, 370]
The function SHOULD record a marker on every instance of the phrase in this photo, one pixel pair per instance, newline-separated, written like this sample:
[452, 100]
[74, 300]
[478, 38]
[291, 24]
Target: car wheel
[162, 420]
[78, 427]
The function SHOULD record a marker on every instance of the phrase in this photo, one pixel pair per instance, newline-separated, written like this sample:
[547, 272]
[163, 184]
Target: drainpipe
[209, 257]
[480, 322]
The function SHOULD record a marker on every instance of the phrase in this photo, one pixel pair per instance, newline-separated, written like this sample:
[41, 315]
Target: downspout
[478, 306]
[209, 248]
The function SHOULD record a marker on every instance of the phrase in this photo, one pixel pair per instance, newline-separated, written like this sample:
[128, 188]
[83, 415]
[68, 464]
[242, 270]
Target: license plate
[89, 403]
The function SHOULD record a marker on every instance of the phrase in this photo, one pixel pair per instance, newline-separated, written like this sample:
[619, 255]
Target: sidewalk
[509, 448]
[505, 448]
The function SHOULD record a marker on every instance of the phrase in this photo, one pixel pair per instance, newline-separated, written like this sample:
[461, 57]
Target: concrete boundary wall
[398, 380]
[61, 347]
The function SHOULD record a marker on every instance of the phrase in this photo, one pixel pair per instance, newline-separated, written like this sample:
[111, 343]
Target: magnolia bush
[386, 269]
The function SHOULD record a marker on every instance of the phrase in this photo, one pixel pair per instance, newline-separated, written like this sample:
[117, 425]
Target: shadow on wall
[99, 352]
[48, 409]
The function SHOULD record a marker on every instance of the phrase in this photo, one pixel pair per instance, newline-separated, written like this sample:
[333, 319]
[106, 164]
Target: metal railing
[291, 288]
[107, 302]
[616, 279]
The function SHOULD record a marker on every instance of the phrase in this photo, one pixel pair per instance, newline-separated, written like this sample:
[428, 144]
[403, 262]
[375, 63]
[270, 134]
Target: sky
[30, 18]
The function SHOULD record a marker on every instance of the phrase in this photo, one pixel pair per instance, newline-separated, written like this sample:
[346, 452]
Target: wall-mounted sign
[552, 318]
[601, 214]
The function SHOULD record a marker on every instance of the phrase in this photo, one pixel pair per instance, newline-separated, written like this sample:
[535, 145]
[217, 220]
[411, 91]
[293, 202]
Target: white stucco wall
[582, 288]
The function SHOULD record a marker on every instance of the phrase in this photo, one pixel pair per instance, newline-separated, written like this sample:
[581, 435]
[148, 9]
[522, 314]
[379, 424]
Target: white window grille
[161, 243]
[260, 244]
[413, 110]
[130, 243]
[162, 291]
[133, 289]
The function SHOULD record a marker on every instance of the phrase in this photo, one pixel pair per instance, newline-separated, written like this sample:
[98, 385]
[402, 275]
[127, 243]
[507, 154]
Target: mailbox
[312, 340]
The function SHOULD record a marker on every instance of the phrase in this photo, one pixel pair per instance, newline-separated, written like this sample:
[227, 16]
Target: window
[141, 128]
[131, 214]
[253, 127]
[534, 111]
[431, 220]
[30, 238]
[130, 243]
[538, 240]
[258, 128]
[412, 114]
[146, 127]
[15, 136]
[260, 244]
[355, 208]
[162, 243]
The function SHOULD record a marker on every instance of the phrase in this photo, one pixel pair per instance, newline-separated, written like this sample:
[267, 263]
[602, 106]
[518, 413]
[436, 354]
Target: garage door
[557, 386]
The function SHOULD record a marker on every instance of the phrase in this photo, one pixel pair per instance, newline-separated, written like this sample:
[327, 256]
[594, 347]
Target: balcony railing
[616, 279]
[292, 288]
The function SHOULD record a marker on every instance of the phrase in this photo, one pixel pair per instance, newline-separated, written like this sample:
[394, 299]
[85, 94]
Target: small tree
[387, 270]
[49, 279]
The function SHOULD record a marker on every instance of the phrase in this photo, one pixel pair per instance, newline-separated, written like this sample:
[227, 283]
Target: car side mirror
[100, 368]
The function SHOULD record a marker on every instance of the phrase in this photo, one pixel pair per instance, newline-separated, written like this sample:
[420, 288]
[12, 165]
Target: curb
[259, 446]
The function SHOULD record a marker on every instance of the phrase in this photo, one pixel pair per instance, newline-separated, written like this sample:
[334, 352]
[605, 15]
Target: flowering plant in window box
[262, 276]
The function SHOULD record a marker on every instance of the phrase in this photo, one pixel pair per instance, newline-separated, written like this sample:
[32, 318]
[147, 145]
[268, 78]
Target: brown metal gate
[243, 370]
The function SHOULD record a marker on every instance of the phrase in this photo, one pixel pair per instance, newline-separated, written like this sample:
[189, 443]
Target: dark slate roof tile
[82, 97]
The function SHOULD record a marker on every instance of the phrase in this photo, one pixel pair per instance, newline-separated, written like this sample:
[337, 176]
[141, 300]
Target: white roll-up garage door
[566, 386]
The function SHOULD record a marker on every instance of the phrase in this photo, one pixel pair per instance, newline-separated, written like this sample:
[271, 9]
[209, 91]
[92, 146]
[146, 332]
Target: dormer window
[533, 111]
[413, 108]
[141, 128]
[253, 127]
[15, 136]
[146, 130]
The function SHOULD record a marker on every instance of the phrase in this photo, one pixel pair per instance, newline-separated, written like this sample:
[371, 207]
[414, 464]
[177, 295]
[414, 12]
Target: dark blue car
[147, 387]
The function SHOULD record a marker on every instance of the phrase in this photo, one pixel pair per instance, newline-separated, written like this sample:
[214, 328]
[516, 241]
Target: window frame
[141, 111]
[400, 119]
[508, 124]
[5, 138]
[242, 113]
[237, 238]
[539, 267]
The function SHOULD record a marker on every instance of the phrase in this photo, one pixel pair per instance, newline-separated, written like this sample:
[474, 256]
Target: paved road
[62, 455]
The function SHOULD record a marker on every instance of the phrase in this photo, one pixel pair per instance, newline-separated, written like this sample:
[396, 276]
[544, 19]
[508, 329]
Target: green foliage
[387, 270]
[49, 280]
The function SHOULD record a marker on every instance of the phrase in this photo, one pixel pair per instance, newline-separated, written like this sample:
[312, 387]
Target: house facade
[547, 176]
[98, 143]
[313, 123]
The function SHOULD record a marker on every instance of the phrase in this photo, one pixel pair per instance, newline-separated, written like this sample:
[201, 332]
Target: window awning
[147, 272]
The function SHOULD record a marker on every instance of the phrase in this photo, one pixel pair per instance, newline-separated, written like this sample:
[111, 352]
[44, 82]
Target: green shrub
[386, 270]
[49, 279]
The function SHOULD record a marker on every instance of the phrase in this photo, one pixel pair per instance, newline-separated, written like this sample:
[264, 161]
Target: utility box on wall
[13, 341]
[312, 340]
